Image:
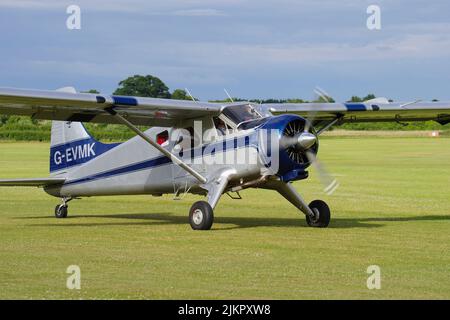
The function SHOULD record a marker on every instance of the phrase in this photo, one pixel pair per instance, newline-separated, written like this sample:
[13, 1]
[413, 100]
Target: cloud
[179, 7]
[245, 42]
[32, 5]
[186, 7]
[199, 13]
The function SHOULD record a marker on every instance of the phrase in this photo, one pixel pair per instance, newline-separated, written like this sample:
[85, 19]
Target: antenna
[190, 95]
[228, 95]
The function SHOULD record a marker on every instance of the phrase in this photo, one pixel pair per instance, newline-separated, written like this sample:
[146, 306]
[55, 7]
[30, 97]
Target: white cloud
[193, 7]
[183, 7]
[259, 40]
[30, 4]
[199, 13]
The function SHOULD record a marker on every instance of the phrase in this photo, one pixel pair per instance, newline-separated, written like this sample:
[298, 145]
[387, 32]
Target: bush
[26, 129]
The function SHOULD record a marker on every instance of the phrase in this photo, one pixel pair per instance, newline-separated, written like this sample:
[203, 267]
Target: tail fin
[71, 145]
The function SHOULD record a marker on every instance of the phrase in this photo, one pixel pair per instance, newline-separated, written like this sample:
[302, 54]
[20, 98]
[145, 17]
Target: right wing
[376, 110]
[83, 107]
[41, 182]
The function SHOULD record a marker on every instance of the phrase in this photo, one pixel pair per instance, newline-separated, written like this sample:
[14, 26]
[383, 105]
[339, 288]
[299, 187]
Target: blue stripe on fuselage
[162, 160]
[127, 169]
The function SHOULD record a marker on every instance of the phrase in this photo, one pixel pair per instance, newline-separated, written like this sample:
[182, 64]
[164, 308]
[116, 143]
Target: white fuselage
[135, 167]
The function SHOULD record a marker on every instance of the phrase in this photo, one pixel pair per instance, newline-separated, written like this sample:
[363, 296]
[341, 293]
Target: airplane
[270, 145]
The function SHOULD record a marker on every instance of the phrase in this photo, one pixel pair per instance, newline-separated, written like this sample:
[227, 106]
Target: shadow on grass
[237, 222]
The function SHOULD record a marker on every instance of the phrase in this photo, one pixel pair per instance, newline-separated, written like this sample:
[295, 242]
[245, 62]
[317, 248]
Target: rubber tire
[208, 216]
[324, 214]
[61, 211]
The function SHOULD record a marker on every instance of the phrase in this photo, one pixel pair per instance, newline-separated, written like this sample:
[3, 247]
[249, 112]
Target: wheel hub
[197, 217]
[316, 215]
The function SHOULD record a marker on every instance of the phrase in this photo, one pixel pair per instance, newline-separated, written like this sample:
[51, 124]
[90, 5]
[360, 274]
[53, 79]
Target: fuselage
[134, 167]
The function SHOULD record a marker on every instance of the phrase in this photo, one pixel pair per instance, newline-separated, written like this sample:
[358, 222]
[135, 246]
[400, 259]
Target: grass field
[392, 210]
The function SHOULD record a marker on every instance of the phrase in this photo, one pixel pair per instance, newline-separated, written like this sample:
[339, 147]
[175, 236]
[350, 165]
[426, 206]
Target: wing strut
[329, 125]
[167, 153]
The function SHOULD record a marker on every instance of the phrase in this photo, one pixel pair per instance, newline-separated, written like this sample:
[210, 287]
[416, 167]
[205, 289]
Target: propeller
[300, 141]
[329, 182]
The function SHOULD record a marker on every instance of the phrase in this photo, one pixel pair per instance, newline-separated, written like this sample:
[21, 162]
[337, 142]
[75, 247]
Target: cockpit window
[221, 127]
[241, 113]
[251, 124]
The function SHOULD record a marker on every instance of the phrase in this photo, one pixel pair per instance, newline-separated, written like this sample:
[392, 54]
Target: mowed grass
[392, 210]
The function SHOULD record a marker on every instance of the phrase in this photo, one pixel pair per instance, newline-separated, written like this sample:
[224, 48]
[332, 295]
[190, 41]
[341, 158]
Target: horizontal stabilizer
[43, 182]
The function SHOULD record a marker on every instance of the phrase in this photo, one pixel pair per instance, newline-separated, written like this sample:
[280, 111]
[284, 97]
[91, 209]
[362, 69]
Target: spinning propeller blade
[329, 182]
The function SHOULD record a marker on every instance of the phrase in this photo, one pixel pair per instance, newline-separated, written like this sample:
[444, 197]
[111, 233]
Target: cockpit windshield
[241, 113]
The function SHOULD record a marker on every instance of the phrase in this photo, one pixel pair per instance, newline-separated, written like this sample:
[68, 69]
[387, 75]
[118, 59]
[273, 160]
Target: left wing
[41, 182]
[377, 110]
[82, 107]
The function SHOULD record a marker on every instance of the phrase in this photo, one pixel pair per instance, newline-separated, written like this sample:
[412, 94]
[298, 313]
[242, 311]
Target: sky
[254, 49]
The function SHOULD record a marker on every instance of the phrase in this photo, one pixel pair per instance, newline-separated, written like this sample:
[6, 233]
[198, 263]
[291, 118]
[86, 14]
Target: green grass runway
[392, 210]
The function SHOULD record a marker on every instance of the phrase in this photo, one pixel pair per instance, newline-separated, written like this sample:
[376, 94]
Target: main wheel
[61, 211]
[322, 214]
[201, 216]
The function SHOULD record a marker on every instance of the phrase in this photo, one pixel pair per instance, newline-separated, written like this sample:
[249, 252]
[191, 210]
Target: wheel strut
[62, 209]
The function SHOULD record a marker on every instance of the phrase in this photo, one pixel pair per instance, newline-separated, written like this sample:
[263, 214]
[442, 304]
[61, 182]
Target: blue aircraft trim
[159, 161]
[125, 101]
[76, 152]
[123, 170]
[355, 107]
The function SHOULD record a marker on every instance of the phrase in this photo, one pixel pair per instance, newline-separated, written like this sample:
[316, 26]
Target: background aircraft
[163, 159]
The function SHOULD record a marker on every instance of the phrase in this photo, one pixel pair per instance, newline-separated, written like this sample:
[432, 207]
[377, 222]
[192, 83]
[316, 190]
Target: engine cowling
[297, 138]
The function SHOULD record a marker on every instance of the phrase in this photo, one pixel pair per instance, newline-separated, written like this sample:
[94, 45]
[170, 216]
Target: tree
[228, 100]
[295, 100]
[180, 94]
[93, 91]
[143, 86]
[370, 96]
[356, 99]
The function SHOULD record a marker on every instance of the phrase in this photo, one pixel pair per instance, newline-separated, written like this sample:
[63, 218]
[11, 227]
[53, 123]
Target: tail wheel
[61, 211]
[322, 214]
[201, 216]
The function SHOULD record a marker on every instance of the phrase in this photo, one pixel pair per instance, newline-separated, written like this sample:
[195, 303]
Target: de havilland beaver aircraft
[179, 153]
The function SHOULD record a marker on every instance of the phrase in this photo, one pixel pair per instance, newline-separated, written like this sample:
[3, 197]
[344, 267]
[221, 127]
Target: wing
[43, 182]
[66, 106]
[376, 110]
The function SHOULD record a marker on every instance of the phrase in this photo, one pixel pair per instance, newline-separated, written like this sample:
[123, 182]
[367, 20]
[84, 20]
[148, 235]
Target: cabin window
[221, 127]
[241, 113]
[162, 138]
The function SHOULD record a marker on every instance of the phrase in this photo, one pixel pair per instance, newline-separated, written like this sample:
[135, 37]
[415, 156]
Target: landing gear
[321, 217]
[317, 212]
[62, 210]
[201, 216]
